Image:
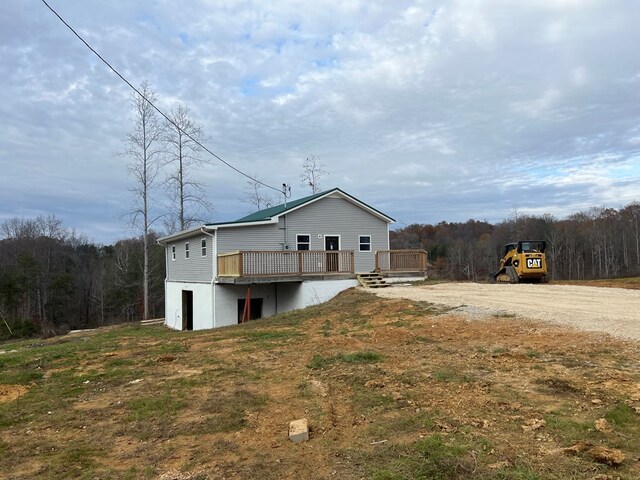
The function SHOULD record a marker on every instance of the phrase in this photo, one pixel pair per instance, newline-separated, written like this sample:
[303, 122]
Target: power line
[152, 104]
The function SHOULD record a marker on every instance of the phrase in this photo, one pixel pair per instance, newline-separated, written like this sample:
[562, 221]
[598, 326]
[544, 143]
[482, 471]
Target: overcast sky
[426, 110]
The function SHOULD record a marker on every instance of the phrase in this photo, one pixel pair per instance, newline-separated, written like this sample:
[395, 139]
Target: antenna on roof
[286, 191]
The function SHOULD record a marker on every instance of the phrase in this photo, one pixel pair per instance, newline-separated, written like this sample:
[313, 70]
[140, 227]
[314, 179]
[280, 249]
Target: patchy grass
[450, 375]
[422, 309]
[622, 415]
[568, 429]
[143, 409]
[558, 386]
[319, 362]
[227, 413]
[432, 457]
[391, 389]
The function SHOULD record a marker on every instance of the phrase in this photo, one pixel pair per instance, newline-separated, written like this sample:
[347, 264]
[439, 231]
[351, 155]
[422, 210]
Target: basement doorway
[187, 310]
[256, 308]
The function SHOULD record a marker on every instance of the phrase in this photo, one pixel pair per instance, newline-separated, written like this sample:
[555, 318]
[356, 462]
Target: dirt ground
[612, 310]
[392, 389]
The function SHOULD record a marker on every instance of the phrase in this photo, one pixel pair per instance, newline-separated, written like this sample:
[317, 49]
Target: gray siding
[257, 237]
[337, 216]
[194, 269]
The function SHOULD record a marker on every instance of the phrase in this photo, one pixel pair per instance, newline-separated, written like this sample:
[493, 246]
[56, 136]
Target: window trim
[203, 247]
[307, 243]
[360, 243]
[186, 250]
[173, 253]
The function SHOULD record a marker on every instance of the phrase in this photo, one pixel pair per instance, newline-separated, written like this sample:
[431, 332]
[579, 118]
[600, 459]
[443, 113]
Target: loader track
[507, 275]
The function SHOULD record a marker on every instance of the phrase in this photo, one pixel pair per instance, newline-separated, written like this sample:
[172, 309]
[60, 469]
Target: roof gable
[273, 213]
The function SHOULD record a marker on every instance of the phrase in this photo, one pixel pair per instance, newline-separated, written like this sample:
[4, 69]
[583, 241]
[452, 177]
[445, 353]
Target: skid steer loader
[523, 262]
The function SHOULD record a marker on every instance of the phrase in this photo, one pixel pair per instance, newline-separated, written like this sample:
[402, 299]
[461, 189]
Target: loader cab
[508, 247]
[532, 246]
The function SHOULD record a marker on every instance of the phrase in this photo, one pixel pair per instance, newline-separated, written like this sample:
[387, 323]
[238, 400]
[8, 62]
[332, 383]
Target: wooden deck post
[246, 312]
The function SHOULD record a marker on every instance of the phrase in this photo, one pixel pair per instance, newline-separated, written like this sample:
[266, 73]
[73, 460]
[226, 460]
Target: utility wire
[151, 103]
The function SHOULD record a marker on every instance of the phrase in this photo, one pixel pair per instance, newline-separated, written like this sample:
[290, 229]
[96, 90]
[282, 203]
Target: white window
[173, 252]
[365, 243]
[303, 242]
[186, 250]
[203, 247]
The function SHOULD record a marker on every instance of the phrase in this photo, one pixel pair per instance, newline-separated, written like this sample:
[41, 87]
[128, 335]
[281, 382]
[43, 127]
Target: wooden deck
[283, 263]
[401, 261]
[265, 265]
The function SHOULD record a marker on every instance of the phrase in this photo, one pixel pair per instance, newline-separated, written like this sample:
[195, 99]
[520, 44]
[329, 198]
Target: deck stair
[372, 280]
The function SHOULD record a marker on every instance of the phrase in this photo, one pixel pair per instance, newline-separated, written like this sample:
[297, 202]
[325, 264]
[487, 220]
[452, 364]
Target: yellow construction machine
[523, 262]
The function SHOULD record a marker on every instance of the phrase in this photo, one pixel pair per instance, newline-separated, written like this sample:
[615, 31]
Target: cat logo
[534, 263]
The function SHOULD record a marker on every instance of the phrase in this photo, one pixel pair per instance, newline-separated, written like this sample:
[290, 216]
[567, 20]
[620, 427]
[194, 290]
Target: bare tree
[144, 148]
[312, 172]
[255, 195]
[187, 194]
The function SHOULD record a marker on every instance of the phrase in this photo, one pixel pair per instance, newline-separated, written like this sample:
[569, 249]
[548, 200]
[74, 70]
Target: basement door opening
[256, 308]
[187, 310]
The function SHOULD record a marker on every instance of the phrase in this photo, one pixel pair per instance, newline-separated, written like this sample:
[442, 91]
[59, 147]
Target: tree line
[53, 280]
[597, 243]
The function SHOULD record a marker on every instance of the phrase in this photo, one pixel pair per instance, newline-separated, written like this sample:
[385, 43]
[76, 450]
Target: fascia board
[273, 219]
[178, 236]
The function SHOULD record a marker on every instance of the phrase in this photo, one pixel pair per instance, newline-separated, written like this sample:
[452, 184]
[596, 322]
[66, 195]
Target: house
[282, 258]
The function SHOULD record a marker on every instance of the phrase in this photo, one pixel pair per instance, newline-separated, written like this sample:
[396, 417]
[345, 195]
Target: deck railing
[401, 261]
[283, 263]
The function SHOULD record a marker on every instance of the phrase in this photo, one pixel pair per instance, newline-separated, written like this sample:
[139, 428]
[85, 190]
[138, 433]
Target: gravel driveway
[612, 310]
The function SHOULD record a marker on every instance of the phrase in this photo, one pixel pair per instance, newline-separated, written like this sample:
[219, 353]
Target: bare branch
[255, 196]
[187, 194]
[312, 172]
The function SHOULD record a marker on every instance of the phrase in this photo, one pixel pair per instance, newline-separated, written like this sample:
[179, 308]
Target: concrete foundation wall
[202, 304]
[276, 298]
[305, 294]
[227, 296]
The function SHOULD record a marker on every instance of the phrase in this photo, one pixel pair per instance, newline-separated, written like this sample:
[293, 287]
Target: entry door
[332, 242]
[187, 310]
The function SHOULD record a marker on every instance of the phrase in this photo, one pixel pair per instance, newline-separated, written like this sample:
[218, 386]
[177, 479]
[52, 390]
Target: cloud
[428, 110]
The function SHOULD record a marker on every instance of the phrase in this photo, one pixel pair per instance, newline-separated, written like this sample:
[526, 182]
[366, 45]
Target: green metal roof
[268, 213]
